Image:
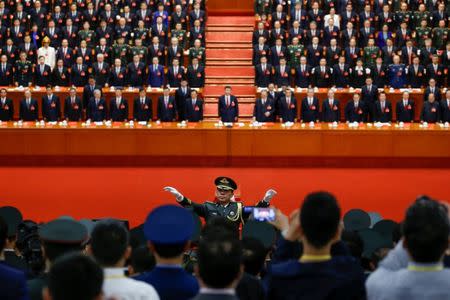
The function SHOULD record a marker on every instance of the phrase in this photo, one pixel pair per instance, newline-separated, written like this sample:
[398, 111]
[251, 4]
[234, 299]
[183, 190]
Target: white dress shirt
[117, 286]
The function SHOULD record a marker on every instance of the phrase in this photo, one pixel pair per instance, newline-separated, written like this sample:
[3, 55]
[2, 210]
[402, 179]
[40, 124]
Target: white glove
[174, 192]
[269, 195]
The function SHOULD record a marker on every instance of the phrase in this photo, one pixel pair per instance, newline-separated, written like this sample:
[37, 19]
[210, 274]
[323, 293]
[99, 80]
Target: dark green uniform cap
[62, 231]
[225, 183]
[356, 219]
[12, 217]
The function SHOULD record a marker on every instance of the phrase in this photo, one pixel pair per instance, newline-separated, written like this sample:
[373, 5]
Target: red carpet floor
[130, 193]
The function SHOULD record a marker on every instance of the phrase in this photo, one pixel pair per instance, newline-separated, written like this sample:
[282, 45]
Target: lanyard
[315, 258]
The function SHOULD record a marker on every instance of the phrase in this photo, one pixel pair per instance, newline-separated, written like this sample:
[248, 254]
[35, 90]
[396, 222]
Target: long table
[17, 95]
[205, 143]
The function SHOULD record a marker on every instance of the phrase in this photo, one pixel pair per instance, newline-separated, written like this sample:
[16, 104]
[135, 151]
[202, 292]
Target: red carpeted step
[230, 20]
[221, 45]
[229, 37]
[247, 81]
[241, 28]
[217, 90]
[236, 54]
[228, 63]
[230, 72]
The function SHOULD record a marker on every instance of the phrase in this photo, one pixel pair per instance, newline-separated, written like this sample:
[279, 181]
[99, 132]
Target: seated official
[382, 109]
[51, 106]
[322, 75]
[96, 109]
[118, 107]
[166, 109]
[432, 89]
[228, 106]
[287, 107]
[356, 110]
[310, 108]
[331, 111]
[263, 73]
[445, 108]
[6, 107]
[73, 107]
[29, 108]
[156, 74]
[143, 107]
[405, 109]
[431, 111]
[194, 108]
[264, 109]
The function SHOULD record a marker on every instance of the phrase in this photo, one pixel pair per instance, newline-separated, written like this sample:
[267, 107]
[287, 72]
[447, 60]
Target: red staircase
[229, 62]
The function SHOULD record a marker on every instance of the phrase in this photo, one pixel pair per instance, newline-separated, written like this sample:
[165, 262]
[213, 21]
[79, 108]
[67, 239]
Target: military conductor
[224, 206]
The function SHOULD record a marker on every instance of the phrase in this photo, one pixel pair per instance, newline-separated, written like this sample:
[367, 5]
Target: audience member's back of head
[354, 242]
[74, 276]
[3, 233]
[54, 250]
[141, 260]
[253, 255]
[426, 231]
[219, 261]
[319, 218]
[109, 242]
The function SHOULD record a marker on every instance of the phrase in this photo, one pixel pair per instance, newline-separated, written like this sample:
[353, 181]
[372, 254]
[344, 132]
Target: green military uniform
[23, 72]
[142, 34]
[440, 37]
[294, 54]
[122, 52]
[198, 53]
[370, 55]
[88, 36]
[422, 33]
[141, 51]
[233, 211]
[419, 16]
[181, 36]
[262, 7]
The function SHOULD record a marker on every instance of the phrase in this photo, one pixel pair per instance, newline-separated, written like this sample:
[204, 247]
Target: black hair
[169, 250]
[3, 233]
[354, 242]
[75, 276]
[219, 260]
[109, 241]
[426, 229]
[253, 255]
[142, 260]
[319, 218]
[55, 250]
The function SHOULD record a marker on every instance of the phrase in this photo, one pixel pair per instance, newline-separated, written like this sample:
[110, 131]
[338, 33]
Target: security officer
[58, 237]
[225, 205]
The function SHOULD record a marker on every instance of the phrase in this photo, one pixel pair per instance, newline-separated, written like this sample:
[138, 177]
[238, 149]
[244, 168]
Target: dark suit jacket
[79, 78]
[262, 79]
[172, 79]
[382, 116]
[136, 76]
[196, 78]
[118, 79]
[310, 113]
[445, 111]
[6, 78]
[60, 78]
[88, 93]
[356, 114]
[431, 112]
[288, 113]
[228, 113]
[51, 109]
[437, 94]
[260, 110]
[416, 80]
[156, 78]
[143, 112]
[194, 113]
[331, 113]
[101, 76]
[369, 98]
[73, 112]
[322, 80]
[6, 110]
[303, 79]
[169, 113]
[44, 78]
[118, 113]
[405, 114]
[29, 113]
[341, 78]
[96, 113]
[14, 284]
